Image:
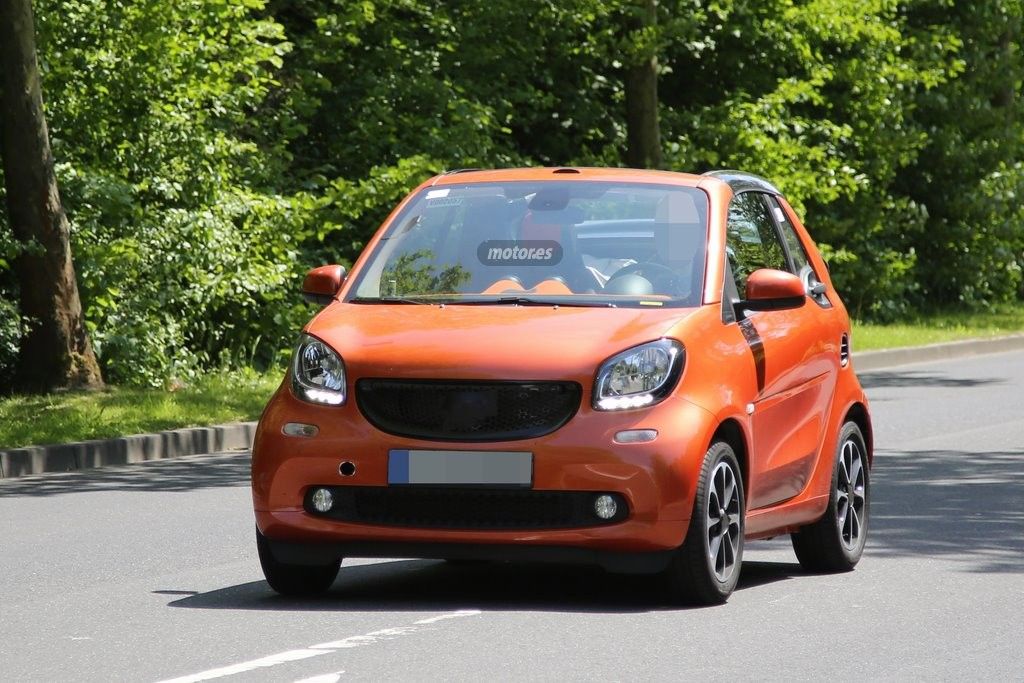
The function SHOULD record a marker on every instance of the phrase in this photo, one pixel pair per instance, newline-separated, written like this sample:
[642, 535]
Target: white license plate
[461, 468]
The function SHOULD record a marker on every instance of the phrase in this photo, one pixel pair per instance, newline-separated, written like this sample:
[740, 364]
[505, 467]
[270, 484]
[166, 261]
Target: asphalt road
[149, 572]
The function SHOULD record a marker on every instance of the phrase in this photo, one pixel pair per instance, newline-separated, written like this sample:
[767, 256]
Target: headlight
[638, 377]
[318, 373]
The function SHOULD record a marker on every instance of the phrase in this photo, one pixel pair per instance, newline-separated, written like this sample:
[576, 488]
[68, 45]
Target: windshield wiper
[397, 300]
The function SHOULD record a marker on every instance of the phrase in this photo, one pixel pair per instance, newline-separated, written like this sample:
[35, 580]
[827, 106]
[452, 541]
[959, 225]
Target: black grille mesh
[467, 411]
[465, 508]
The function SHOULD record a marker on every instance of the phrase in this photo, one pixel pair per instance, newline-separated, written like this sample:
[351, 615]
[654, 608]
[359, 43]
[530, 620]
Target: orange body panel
[775, 376]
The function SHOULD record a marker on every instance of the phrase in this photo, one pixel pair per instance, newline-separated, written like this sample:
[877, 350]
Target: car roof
[566, 173]
[737, 181]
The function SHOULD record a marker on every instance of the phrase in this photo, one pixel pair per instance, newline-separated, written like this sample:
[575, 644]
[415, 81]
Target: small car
[636, 369]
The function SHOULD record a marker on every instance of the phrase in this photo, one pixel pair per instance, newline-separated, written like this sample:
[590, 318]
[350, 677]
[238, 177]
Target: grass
[118, 411]
[228, 397]
[939, 327]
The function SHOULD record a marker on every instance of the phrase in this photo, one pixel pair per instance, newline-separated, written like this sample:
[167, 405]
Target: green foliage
[10, 337]
[185, 252]
[210, 152]
[968, 173]
[816, 96]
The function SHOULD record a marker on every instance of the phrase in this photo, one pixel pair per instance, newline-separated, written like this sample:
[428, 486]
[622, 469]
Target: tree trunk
[643, 134]
[55, 352]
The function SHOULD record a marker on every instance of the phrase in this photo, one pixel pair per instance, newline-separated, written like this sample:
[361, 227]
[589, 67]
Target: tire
[294, 579]
[706, 567]
[835, 542]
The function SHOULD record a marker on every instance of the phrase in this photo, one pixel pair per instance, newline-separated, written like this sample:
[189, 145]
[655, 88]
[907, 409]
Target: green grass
[938, 328]
[119, 411]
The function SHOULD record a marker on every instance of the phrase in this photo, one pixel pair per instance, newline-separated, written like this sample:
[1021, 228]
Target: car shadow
[959, 506]
[433, 585]
[919, 378]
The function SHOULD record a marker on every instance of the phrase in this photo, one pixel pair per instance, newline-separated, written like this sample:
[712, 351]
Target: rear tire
[706, 567]
[294, 579]
[835, 542]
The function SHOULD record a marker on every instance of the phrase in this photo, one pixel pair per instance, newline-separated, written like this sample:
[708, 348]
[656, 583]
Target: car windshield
[565, 243]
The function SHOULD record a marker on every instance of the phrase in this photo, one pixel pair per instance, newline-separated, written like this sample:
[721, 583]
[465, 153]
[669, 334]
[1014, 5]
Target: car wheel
[294, 579]
[836, 541]
[707, 566]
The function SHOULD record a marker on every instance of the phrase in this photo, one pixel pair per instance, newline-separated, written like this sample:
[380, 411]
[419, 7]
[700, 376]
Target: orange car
[637, 369]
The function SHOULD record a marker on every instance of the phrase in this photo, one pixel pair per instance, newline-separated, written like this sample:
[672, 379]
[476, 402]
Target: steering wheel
[665, 280]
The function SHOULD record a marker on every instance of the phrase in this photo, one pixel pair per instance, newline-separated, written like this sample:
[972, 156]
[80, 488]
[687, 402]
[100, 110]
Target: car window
[751, 240]
[585, 243]
[796, 249]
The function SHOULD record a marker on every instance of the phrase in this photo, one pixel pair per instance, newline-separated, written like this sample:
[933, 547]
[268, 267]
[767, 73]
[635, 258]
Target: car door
[795, 352]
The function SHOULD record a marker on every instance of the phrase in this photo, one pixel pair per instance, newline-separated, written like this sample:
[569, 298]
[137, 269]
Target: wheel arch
[858, 414]
[731, 432]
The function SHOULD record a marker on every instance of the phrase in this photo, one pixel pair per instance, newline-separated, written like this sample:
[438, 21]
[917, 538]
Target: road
[149, 572]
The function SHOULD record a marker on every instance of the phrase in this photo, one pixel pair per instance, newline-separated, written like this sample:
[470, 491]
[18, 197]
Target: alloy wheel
[851, 498]
[723, 521]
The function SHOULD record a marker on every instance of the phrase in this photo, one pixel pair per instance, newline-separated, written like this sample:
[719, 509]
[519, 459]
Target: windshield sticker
[437, 194]
[519, 252]
[443, 202]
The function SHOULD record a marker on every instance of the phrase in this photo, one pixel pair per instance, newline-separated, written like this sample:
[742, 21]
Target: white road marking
[453, 615]
[325, 678]
[368, 639]
[321, 649]
[262, 663]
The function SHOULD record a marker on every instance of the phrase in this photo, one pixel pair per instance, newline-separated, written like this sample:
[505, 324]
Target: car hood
[484, 342]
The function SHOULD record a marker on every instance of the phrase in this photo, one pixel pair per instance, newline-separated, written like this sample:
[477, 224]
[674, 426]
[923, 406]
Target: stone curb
[20, 462]
[867, 361]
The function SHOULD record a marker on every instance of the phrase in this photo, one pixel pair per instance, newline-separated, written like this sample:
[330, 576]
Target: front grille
[465, 508]
[440, 410]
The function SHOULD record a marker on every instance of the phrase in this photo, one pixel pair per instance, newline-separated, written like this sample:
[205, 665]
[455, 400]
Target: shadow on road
[917, 378]
[432, 585]
[179, 474]
[958, 506]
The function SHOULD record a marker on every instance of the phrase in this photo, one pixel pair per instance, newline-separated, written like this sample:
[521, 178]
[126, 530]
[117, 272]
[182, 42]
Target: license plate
[461, 468]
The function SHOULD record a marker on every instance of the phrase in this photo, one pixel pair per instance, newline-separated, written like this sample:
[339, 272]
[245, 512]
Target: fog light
[636, 436]
[323, 501]
[605, 506]
[300, 429]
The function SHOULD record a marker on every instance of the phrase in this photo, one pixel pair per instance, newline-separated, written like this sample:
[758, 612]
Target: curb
[868, 361]
[20, 462]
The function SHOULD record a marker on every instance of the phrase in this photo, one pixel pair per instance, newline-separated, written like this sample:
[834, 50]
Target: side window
[751, 240]
[801, 262]
[796, 248]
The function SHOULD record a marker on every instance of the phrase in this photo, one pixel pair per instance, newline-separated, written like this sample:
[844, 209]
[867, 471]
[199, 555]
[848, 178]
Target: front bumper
[657, 480]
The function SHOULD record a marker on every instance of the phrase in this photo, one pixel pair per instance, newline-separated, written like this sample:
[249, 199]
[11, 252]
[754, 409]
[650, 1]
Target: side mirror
[773, 290]
[321, 284]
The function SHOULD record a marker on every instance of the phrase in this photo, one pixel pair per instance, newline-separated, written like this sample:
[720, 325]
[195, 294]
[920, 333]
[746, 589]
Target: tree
[970, 165]
[55, 351]
[643, 143]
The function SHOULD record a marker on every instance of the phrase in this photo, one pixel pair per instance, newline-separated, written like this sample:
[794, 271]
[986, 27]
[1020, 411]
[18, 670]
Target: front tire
[706, 567]
[294, 579]
[835, 542]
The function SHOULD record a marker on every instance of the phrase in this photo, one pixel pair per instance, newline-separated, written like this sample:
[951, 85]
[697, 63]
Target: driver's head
[678, 230]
